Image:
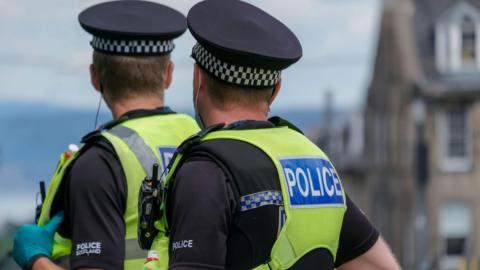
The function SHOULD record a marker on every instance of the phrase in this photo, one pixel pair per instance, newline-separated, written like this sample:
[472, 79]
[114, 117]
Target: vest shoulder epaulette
[91, 136]
[95, 134]
[280, 122]
[196, 138]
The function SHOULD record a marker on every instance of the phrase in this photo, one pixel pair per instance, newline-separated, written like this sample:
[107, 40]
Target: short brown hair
[128, 76]
[224, 94]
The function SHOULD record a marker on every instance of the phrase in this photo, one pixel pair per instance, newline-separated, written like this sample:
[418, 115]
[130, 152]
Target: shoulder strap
[195, 139]
[138, 146]
[192, 141]
[91, 136]
[280, 122]
[95, 134]
[115, 122]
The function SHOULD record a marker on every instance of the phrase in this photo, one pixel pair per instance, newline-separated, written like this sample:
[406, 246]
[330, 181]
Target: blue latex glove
[32, 240]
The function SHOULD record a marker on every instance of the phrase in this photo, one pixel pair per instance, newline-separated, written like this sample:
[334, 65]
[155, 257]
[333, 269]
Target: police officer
[97, 187]
[252, 193]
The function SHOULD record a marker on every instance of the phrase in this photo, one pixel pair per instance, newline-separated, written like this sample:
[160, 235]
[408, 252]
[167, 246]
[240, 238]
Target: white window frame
[449, 164]
[451, 262]
[448, 39]
[474, 64]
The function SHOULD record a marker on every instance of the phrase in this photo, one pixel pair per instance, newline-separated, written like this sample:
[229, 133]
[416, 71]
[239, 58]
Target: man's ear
[94, 78]
[169, 76]
[275, 92]
[196, 77]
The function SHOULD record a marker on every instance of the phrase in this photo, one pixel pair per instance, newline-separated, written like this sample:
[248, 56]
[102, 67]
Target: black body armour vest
[250, 171]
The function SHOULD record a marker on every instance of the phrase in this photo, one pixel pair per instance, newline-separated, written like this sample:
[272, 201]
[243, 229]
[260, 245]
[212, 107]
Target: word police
[88, 248]
[312, 182]
[182, 244]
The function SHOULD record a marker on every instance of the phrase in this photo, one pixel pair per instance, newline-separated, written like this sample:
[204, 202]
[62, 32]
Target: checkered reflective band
[240, 75]
[132, 47]
[252, 201]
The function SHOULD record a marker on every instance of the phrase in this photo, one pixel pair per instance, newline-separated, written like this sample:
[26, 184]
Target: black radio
[38, 209]
[149, 201]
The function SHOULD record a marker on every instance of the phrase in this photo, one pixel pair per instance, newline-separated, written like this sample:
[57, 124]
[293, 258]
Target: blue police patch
[312, 182]
[166, 154]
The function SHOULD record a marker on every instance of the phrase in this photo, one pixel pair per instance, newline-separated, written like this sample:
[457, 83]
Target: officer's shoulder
[95, 142]
[91, 136]
[281, 122]
[196, 138]
[96, 134]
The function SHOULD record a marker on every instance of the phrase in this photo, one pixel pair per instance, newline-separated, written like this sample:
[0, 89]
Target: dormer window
[456, 42]
[468, 42]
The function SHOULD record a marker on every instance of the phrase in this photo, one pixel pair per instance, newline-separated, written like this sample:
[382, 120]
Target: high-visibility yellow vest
[314, 199]
[139, 143]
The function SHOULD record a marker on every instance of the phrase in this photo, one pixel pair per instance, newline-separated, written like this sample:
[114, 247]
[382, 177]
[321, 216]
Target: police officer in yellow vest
[247, 192]
[97, 186]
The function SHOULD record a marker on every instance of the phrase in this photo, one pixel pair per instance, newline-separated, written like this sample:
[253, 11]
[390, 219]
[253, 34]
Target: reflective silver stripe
[259, 199]
[133, 250]
[143, 152]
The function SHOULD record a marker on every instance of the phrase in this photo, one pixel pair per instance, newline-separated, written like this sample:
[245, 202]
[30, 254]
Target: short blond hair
[129, 76]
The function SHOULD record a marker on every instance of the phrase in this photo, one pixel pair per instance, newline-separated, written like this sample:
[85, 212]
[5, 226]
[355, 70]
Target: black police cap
[240, 43]
[133, 27]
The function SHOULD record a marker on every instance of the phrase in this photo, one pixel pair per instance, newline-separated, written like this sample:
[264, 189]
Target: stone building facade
[418, 174]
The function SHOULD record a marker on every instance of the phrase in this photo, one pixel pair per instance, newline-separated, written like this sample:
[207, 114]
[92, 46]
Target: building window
[455, 139]
[468, 42]
[456, 39]
[455, 228]
[455, 246]
[457, 132]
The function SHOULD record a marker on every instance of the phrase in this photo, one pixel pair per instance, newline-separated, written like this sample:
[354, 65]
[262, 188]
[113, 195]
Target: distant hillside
[34, 136]
[32, 139]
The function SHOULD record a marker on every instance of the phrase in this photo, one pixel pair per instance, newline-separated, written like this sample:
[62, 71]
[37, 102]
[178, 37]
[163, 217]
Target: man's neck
[234, 115]
[136, 103]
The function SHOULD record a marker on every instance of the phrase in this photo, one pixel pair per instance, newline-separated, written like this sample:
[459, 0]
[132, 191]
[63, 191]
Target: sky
[44, 58]
[44, 54]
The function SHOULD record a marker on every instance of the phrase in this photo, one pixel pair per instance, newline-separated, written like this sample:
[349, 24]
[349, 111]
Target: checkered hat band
[256, 200]
[240, 75]
[130, 47]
